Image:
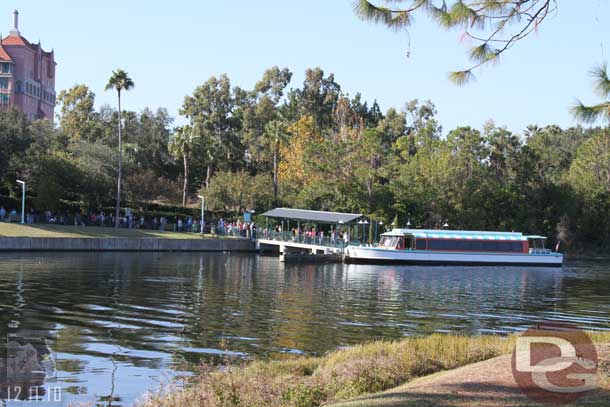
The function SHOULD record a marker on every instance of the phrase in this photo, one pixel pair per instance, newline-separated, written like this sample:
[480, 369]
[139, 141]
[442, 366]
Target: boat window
[536, 243]
[389, 242]
[420, 244]
[400, 243]
[409, 242]
[475, 245]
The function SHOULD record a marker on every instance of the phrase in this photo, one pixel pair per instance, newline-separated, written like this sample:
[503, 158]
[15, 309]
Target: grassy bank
[18, 230]
[337, 376]
[340, 375]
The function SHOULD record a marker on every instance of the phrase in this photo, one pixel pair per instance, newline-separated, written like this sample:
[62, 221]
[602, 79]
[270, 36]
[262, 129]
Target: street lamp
[22, 200]
[202, 211]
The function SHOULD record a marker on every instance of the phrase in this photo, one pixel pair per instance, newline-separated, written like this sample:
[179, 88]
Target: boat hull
[355, 254]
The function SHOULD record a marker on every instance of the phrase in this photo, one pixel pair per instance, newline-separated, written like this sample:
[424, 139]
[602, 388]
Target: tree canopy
[494, 26]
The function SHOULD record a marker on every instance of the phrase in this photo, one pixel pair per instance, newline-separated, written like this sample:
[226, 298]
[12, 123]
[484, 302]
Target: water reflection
[116, 322]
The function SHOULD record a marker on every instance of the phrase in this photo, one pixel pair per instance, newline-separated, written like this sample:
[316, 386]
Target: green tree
[151, 138]
[590, 177]
[275, 136]
[494, 25]
[211, 111]
[235, 192]
[77, 116]
[181, 145]
[119, 81]
[590, 114]
[317, 98]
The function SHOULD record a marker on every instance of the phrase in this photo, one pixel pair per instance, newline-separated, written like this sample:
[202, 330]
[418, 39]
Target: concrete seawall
[124, 244]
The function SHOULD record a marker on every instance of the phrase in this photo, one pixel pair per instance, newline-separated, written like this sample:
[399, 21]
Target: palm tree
[119, 80]
[275, 134]
[180, 146]
[590, 114]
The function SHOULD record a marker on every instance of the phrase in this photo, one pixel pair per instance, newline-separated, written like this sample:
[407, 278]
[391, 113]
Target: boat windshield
[537, 243]
[389, 242]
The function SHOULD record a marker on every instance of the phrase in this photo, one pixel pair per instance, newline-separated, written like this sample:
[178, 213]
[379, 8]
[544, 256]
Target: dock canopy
[312, 216]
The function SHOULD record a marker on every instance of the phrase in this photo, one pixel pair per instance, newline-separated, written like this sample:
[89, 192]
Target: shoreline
[365, 375]
[123, 244]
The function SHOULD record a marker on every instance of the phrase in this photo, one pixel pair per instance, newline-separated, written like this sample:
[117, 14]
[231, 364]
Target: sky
[169, 48]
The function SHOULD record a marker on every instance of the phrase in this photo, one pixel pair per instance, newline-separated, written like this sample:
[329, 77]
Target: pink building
[27, 75]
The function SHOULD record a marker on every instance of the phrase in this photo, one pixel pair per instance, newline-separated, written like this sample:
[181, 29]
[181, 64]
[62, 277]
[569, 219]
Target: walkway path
[485, 384]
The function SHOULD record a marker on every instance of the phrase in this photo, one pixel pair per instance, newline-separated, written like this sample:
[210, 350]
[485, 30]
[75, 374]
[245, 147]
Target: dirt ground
[485, 384]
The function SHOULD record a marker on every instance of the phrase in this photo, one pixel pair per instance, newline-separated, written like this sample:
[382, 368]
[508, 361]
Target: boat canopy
[312, 216]
[458, 234]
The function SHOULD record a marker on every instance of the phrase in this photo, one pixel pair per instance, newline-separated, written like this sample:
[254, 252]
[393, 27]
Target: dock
[300, 250]
[300, 235]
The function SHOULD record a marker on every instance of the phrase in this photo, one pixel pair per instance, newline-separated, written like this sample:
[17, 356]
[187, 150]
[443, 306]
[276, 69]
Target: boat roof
[460, 234]
[312, 216]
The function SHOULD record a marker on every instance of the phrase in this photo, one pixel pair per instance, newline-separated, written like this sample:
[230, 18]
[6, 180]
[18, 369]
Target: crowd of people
[237, 228]
[310, 235]
[102, 219]
[184, 224]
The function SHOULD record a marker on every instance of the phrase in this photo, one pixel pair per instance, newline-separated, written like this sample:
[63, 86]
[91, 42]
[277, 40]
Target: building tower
[27, 75]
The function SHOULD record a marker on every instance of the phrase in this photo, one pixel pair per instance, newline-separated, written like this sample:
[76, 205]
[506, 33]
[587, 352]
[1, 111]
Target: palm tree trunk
[208, 176]
[117, 211]
[275, 170]
[186, 178]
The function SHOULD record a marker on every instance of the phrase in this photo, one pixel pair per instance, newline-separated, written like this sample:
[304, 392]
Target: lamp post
[364, 226]
[408, 223]
[201, 222]
[22, 200]
[360, 222]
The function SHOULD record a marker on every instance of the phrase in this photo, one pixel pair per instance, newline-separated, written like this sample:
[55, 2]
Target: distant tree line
[317, 147]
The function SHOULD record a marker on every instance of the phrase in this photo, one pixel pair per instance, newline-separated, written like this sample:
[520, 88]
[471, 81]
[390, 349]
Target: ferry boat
[456, 247]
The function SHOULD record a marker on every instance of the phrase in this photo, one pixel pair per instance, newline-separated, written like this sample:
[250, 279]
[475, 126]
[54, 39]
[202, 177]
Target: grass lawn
[18, 230]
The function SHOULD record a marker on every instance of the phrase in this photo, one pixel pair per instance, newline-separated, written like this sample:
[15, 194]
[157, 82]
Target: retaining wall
[124, 244]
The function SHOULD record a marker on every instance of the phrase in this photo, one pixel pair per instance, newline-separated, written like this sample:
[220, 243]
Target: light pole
[364, 226]
[202, 211]
[22, 200]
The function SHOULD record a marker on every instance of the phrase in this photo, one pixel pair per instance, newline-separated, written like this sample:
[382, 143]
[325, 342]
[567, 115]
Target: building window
[3, 83]
[18, 87]
[4, 99]
[7, 67]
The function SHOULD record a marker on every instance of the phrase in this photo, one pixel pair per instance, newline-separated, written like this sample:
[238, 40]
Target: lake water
[117, 324]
